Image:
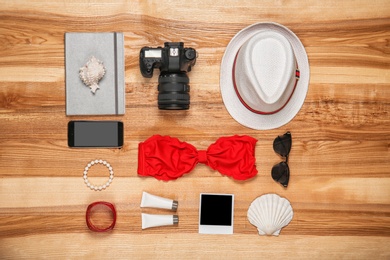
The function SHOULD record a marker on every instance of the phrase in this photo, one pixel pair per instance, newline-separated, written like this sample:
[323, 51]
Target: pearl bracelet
[104, 186]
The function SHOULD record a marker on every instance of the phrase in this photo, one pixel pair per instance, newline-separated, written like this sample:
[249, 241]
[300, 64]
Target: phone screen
[95, 134]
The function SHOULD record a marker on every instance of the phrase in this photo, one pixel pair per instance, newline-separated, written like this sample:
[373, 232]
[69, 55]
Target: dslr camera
[174, 61]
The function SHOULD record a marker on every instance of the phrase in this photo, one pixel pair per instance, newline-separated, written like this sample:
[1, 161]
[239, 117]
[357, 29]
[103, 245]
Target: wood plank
[197, 246]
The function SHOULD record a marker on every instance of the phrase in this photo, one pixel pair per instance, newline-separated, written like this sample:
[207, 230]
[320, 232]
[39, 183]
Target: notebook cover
[109, 99]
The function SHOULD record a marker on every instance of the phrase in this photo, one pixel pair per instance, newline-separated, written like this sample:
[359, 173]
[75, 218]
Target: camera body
[174, 61]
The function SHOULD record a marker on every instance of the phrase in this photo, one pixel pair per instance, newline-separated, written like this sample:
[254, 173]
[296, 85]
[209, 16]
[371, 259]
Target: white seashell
[92, 72]
[270, 213]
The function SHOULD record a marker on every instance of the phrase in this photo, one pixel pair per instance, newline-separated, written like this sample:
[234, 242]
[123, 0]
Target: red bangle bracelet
[88, 216]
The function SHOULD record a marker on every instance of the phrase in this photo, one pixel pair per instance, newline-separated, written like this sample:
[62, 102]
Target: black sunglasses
[282, 146]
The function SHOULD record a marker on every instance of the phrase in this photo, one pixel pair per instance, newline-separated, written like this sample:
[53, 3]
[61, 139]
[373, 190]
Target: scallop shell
[270, 213]
[92, 72]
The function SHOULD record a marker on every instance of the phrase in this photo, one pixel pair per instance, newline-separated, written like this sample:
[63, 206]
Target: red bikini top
[167, 158]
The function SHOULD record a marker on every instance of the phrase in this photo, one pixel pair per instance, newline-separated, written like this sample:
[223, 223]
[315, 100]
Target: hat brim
[233, 104]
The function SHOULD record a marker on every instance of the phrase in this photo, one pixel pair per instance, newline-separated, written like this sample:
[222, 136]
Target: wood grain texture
[339, 162]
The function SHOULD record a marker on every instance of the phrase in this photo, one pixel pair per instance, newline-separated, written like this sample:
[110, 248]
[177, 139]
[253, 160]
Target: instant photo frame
[216, 213]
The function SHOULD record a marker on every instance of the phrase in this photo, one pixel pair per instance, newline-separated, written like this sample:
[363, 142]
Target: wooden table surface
[340, 176]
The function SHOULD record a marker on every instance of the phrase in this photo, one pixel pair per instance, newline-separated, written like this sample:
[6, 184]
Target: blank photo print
[216, 213]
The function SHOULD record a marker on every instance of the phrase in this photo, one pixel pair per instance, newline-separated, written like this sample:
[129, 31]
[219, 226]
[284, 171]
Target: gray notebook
[108, 48]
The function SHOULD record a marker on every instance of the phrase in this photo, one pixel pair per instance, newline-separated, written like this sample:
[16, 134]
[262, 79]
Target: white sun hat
[264, 76]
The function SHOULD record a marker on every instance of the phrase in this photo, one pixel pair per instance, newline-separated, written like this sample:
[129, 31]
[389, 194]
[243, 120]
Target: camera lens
[173, 91]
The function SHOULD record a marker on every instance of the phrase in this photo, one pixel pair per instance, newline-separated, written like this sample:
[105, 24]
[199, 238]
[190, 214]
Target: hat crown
[265, 71]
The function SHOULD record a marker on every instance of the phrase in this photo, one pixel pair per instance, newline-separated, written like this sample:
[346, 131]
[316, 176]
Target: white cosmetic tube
[152, 201]
[150, 220]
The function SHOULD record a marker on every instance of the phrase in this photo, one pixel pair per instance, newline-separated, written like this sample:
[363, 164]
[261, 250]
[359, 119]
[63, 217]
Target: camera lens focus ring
[173, 91]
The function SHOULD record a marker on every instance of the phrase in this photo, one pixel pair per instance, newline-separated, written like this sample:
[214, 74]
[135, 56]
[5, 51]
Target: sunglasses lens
[282, 144]
[281, 173]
